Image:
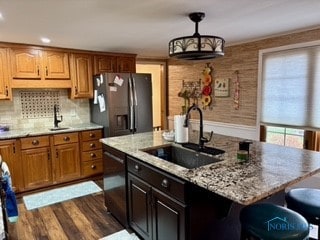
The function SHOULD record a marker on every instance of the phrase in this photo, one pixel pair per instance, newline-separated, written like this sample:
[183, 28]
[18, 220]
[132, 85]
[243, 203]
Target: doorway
[159, 90]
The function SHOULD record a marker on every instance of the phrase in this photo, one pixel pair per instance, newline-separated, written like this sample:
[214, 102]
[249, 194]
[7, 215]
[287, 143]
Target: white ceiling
[145, 27]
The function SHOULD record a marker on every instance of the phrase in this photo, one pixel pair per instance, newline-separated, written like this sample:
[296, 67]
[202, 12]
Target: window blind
[291, 88]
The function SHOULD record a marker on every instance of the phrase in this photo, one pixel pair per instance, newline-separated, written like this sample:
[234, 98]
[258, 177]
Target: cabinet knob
[137, 167]
[93, 166]
[92, 145]
[35, 142]
[92, 135]
[66, 139]
[92, 155]
[165, 183]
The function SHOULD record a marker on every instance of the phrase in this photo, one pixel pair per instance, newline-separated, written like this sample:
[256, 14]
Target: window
[290, 95]
[289, 137]
[290, 87]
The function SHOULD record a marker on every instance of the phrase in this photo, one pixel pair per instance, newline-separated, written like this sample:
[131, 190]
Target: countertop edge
[21, 132]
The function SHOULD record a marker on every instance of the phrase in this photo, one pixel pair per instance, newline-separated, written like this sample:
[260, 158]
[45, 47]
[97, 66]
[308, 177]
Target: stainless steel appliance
[123, 105]
[127, 100]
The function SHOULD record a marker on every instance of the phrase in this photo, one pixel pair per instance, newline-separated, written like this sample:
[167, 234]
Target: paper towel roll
[180, 132]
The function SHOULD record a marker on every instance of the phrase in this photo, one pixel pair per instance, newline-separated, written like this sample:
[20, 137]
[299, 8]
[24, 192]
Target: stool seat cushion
[270, 221]
[305, 201]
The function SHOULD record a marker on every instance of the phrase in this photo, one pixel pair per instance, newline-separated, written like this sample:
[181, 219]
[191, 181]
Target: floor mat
[121, 235]
[61, 194]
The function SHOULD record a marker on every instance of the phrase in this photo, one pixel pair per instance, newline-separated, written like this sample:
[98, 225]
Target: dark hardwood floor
[81, 218]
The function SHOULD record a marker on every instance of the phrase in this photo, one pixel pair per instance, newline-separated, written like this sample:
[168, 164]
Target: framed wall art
[222, 87]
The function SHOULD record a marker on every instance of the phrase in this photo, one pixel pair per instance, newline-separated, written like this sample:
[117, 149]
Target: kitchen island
[269, 171]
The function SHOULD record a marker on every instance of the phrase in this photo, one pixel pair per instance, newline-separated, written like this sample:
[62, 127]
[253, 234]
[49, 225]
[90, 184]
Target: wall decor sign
[222, 87]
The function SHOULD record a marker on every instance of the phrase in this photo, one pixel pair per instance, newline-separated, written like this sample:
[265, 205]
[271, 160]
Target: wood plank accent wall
[242, 58]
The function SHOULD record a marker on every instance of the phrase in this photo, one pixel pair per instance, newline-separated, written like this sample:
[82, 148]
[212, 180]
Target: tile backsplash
[38, 104]
[34, 108]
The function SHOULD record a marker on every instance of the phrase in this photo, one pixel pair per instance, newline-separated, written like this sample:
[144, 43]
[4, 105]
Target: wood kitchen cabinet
[91, 153]
[126, 64]
[36, 68]
[36, 162]
[104, 63]
[81, 74]
[66, 162]
[9, 151]
[5, 85]
[112, 63]
[156, 203]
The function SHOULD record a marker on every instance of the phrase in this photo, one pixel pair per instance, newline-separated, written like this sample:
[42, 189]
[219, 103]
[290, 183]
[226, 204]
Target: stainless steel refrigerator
[122, 103]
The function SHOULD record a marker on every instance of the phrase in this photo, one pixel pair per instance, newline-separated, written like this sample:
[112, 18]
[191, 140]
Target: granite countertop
[28, 132]
[271, 168]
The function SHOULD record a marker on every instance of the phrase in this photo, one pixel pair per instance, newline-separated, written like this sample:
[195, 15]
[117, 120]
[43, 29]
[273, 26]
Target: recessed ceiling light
[1, 16]
[45, 40]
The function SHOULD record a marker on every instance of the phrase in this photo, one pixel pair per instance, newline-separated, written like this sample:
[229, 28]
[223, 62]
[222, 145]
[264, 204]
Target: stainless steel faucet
[202, 139]
[55, 112]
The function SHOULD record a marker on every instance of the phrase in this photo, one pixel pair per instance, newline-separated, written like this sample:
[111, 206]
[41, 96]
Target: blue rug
[57, 195]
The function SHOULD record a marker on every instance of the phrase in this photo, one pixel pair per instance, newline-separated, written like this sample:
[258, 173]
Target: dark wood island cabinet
[162, 206]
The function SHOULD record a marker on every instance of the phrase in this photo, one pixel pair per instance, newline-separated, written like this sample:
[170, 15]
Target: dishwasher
[114, 183]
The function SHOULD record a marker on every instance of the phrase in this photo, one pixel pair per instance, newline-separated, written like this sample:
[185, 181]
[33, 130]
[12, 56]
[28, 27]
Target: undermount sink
[183, 157]
[208, 150]
[59, 128]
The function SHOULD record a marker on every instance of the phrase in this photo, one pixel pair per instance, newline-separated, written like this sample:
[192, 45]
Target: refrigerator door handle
[134, 92]
[131, 106]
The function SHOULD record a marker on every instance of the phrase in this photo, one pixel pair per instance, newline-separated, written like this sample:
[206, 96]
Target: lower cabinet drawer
[91, 155]
[64, 138]
[163, 181]
[92, 167]
[91, 145]
[34, 142]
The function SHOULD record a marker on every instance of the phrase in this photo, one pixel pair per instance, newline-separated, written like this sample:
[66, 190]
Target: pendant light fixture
[196, 47]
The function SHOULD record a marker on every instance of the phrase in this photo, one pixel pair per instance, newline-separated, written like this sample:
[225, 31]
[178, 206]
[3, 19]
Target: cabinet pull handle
[38, 70]
[93, 166]
[92, 155]
[92, 145]
[35, 142]
[66, 139]
[137, 167]
[7, 91]
[48, 155]
[165, 183]
[92, 135]
[76, 90]
[46, 71]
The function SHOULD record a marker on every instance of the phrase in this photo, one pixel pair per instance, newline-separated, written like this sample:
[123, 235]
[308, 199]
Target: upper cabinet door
[105, 63]
[126, 64]
[82, 76]
[25, 63]
[5, 89]
[56, 65]
[37, 64]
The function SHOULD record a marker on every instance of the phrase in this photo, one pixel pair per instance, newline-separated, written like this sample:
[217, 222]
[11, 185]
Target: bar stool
[272, 222]
[305, 201]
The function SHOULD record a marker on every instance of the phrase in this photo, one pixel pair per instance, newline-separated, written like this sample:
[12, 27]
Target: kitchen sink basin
[182, 156]
[59, 128]
[208, 150]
